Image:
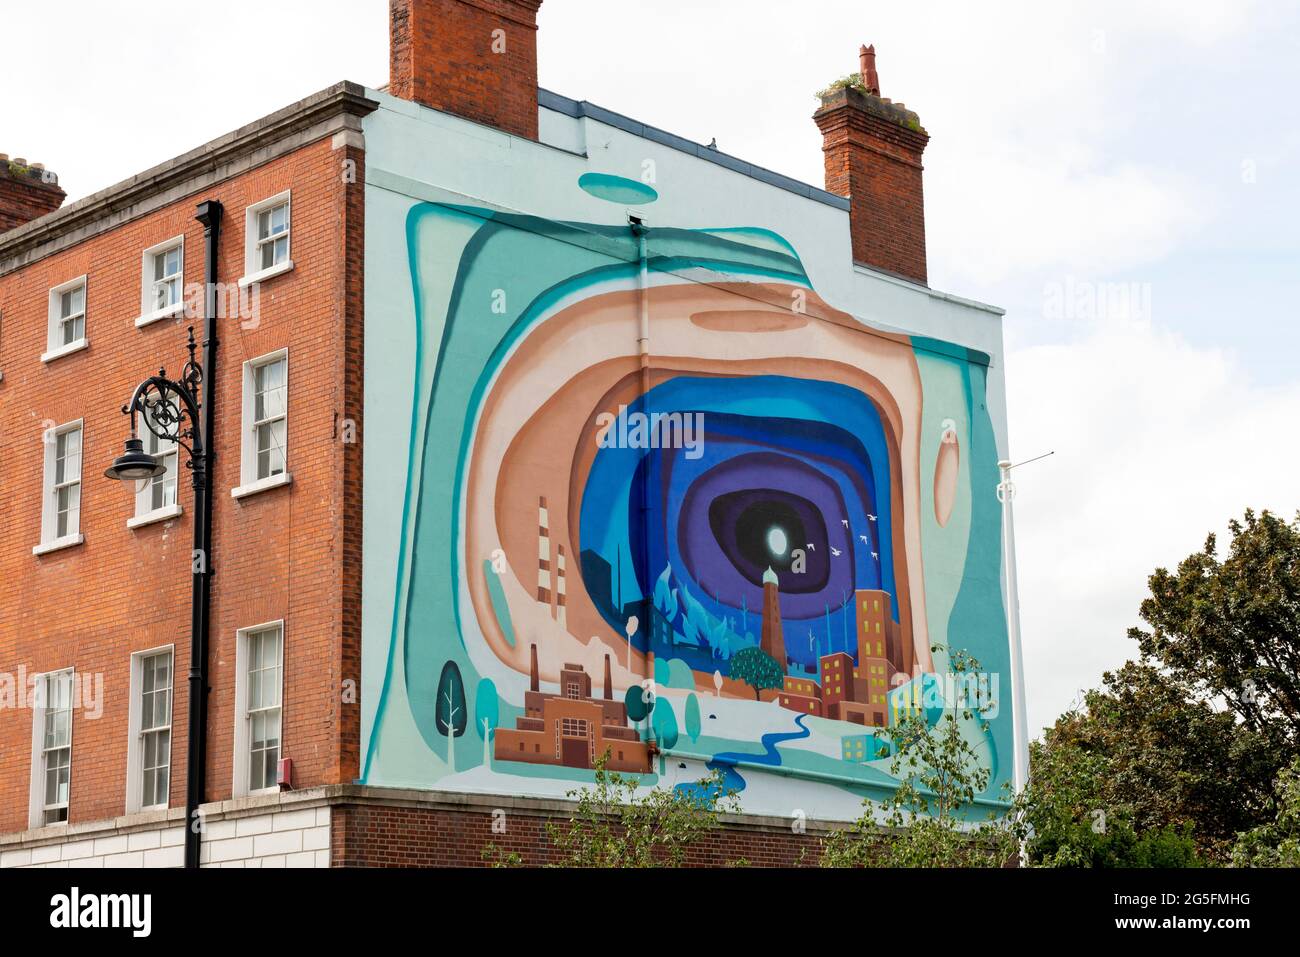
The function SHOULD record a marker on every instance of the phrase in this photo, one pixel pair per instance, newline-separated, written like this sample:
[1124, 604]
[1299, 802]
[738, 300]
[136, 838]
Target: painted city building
[545, 439]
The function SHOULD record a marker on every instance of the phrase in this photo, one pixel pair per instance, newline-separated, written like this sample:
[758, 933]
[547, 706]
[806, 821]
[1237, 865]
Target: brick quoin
[292, 553]
[474, 58]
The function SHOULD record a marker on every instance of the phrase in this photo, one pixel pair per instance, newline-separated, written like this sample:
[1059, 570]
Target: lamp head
[134, 464]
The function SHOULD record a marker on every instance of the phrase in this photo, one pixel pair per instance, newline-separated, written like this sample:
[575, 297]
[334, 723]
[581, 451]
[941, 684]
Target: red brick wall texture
[284, 554]
[396, 836]
[474, 58]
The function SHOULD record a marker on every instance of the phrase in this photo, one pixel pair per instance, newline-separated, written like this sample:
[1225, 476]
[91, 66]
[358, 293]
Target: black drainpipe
[209, 214]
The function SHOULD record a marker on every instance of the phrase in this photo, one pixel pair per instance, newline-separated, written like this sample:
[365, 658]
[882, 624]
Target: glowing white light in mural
[777, 541]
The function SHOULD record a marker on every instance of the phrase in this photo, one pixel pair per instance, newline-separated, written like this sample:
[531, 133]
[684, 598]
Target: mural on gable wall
[744, 547]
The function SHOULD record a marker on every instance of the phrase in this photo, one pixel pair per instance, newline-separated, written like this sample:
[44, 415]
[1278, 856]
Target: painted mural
[666, 505]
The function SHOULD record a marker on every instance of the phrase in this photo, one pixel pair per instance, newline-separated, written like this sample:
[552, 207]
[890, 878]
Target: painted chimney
[26, 192]
[873, 153]
[474, 58]
[609, 682]
[533, 683]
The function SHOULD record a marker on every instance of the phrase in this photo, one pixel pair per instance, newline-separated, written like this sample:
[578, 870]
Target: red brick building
[95, 606]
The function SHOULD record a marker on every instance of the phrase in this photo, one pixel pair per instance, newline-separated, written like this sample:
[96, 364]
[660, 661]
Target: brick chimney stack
[26, 192]
[474, 58]
[873, 153]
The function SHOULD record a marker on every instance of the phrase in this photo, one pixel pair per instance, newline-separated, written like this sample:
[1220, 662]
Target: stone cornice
[338, 108]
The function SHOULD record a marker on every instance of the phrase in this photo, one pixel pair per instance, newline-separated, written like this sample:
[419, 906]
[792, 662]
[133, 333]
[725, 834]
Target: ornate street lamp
[170, 410]
[180, 411]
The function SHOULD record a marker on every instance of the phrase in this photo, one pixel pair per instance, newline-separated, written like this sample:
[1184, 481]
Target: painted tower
[773, 640]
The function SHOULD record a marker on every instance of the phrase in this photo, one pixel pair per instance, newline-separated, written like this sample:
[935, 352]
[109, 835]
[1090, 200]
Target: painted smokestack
[609, 682]
[473, 58]
[873, 153]
[533, 683]
[26, 192]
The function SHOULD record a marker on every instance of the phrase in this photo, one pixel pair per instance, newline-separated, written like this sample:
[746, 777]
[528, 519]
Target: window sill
[67, 541]
[62, 351]
[157, 515]
[264, 274]
[261, 485]
[148, 317]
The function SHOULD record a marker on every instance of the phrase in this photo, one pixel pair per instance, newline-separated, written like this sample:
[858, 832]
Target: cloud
[1157, 443]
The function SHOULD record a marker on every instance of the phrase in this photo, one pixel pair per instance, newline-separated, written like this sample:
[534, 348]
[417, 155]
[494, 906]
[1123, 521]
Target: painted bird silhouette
[844, 522]
[812, 547]
[836, 552]
[871, 518]
[863, 539]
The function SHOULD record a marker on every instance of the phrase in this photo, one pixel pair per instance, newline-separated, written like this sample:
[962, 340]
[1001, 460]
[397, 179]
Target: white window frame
[135, 740]
[50, 540]
[253, 271]
[242, 756]
[38, 807]
[249, 481]
[148, 311]
[145, 512]
[55, 348]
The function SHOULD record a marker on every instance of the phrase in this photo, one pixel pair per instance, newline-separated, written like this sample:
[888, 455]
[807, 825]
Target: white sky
[1147, 142]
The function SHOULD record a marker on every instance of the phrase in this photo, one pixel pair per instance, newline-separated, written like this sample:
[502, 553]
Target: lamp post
[171, 410]
[1019, 730]
[181, 411]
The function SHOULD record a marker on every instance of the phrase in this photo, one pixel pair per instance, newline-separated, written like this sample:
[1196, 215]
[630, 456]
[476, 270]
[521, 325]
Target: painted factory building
[512, 391]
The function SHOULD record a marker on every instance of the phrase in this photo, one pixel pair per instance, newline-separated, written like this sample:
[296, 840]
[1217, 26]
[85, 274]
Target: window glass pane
[270, 449]
[269, 390]
[163, 487]
[72, 302]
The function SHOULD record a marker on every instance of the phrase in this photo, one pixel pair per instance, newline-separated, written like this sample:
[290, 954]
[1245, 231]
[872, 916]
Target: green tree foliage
[932, 813]
[1276, 843]
[758, 669]
[1230, 630]
[1181, 751]
[1141, 761]
[614, 827]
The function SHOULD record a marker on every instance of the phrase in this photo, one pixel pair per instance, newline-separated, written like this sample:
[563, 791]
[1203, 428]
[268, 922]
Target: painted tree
[665, 728]
[758, 669]
[717, 684]
[638, 701]
[487, 715]
[450, 712]
[693, 717]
